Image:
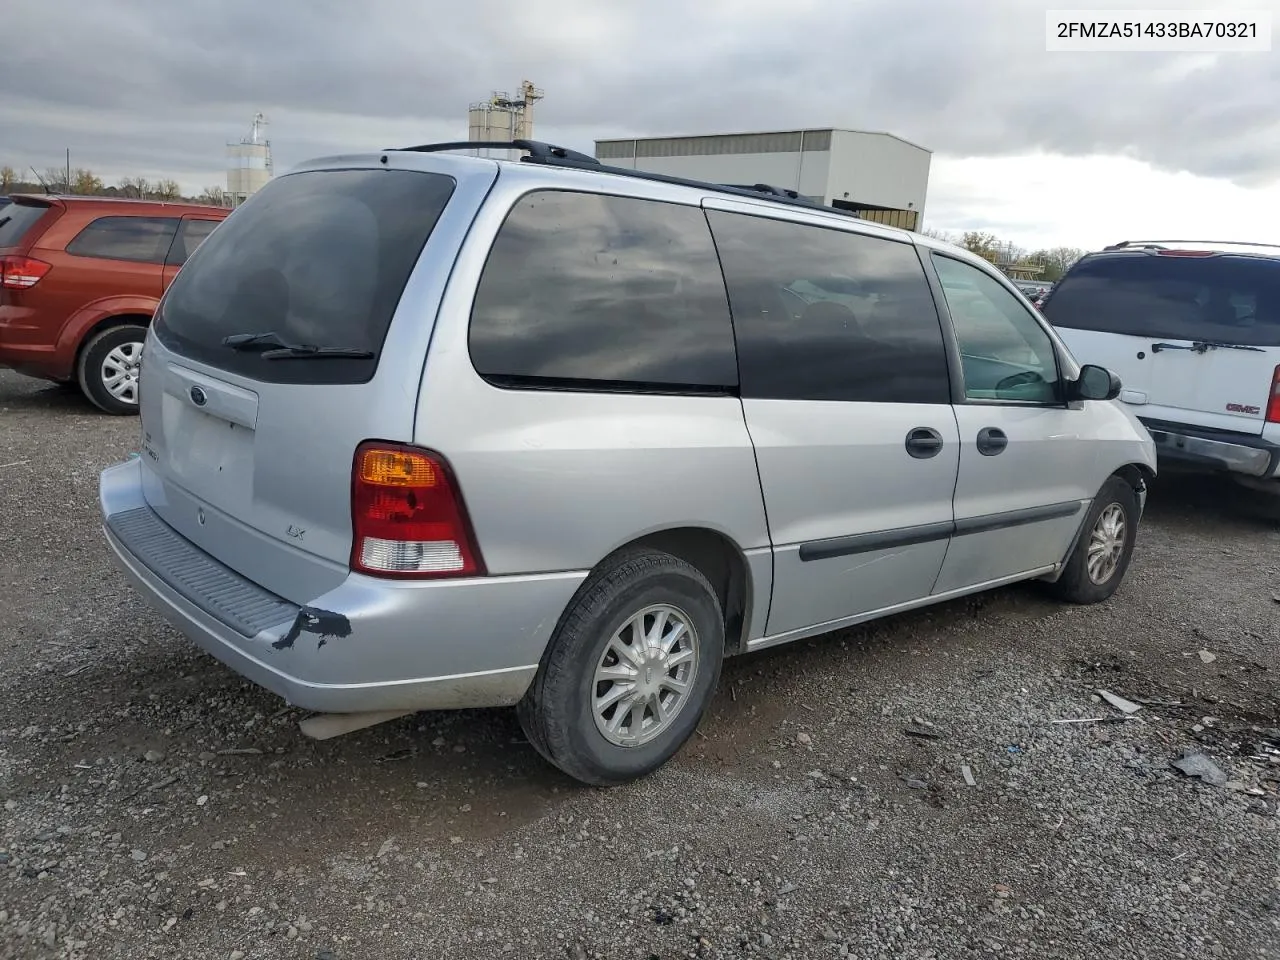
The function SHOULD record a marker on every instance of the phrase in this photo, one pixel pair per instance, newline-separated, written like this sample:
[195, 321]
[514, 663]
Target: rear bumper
[23, 347]
[1215, 449]
[365, 645]
[40, 362]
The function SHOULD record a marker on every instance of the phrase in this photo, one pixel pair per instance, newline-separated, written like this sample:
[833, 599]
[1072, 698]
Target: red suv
[80, 278]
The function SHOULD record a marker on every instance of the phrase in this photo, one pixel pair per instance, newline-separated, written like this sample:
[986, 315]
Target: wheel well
[1137, 475]
[123, 320]
[721, 562]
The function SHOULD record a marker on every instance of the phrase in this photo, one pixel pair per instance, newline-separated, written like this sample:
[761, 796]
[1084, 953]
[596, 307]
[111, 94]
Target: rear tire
[1098, 563]
[629, 671]
[109, 366]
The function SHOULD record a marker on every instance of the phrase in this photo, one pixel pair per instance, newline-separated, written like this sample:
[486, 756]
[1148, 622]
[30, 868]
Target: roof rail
[770, 190]
[536, 149]
[1160, 244]
[757, 191]
[551, 155]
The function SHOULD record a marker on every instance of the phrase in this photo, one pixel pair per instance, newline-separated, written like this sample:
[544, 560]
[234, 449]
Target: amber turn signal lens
[395, 468]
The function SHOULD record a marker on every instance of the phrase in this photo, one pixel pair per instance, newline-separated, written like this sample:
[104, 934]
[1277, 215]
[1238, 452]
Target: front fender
[1144, 447]
[81, 323]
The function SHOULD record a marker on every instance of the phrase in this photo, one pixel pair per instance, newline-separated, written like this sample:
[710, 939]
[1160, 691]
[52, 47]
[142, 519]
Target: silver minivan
[423, 430]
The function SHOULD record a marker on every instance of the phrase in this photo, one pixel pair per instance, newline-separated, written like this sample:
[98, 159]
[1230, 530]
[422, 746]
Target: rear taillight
[1186, 253]
[21, 273]
[407, 516]
[1273, 402]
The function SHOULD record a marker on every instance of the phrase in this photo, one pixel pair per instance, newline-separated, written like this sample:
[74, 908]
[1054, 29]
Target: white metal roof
[758, 133]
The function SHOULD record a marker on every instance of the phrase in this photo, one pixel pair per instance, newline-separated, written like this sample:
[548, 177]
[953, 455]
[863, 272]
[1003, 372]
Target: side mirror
[1096, 383]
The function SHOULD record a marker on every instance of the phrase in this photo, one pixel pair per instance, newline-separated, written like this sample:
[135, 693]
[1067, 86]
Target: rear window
[317, 258]
[16, 219]
[1231, 299]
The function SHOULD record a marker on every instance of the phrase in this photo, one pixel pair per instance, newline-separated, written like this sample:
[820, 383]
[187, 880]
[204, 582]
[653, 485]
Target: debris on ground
[1240, 786]
[923, 733]
[967, 773]
[402, 754]
[1207, 657]
[1193, 763]
[1120, 703]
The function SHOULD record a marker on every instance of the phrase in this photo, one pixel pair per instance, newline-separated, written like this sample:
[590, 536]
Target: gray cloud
[158, 87]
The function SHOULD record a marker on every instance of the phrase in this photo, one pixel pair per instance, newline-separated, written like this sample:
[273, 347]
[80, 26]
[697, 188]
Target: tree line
[1048, 264]
[86, 183]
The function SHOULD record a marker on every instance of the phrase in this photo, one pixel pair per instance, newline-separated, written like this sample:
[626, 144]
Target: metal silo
[502, 118]
[248, 164]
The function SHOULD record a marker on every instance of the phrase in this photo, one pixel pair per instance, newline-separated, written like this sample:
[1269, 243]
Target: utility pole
[68, 169]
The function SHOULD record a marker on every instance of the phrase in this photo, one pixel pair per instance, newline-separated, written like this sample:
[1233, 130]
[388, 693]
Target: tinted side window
[1005, 352]
[144, 239]
[823, 314]
[190, 235]
[606, 292]
[1235, 299]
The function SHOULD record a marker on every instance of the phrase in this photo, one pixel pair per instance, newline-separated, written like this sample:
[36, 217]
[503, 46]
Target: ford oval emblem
[199, 397]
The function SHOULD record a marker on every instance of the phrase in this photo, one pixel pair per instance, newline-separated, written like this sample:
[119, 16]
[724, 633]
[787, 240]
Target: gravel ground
[155, 805]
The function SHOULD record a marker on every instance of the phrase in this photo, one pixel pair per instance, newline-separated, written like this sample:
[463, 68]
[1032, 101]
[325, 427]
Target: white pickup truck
[1193, 331]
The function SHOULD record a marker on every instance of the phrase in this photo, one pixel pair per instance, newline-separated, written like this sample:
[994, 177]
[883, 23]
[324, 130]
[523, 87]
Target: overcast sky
[1041, 148]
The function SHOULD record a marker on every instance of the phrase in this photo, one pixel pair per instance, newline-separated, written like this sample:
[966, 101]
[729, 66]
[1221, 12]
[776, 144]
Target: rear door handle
[991, 441]
[924, 442]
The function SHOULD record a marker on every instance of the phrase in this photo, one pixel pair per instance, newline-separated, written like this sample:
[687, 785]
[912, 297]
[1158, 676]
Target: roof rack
[766, 188]
[536, 149]
[545, 153]
[1161, 244]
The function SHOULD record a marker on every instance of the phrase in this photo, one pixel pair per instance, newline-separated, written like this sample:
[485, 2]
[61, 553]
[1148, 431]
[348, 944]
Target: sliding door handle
[991, 441]
[924, 442]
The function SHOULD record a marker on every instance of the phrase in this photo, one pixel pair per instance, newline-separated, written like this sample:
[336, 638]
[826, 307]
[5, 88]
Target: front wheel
[1102, 554]
[109, 367]
[629, 671]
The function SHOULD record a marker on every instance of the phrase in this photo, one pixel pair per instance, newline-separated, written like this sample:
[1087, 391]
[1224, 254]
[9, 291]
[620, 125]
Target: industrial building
[248, 164]
[877, 176]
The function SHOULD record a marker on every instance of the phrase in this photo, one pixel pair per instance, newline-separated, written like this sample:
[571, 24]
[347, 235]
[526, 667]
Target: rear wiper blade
[1203, 345]
[246, 341]
[302, 351]
[275, 347]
